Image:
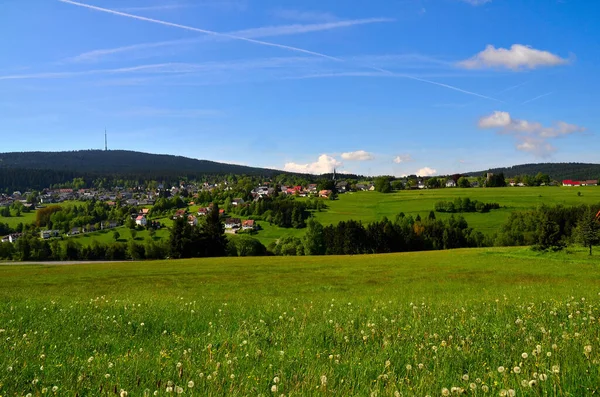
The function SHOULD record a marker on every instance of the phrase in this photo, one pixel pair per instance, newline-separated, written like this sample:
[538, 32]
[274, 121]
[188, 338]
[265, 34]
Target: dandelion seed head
[501, 369]
[517, 370]
[274, 388]
[191, 384]
[524, 355]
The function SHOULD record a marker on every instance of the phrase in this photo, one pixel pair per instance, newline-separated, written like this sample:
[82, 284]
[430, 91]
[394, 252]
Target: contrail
[209, 32]
[537, 97]
[266, 43]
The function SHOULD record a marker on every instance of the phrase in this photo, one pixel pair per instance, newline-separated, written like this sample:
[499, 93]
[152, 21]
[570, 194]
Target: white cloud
[532, 136]
[402, 158]
[359, 155]
[517, 57]
[324, 164]
[476, 2]
[426, 171]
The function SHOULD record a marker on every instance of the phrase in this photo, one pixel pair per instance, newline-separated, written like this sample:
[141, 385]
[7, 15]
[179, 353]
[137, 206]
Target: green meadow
[502, 321]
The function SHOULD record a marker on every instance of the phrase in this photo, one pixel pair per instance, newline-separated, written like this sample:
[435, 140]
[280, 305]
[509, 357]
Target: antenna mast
[105, 141]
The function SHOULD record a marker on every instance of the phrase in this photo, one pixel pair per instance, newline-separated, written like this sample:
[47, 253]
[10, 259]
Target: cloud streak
[265, 43]
[359, 155]
[268, 31]
[537, 97]
[324, 164]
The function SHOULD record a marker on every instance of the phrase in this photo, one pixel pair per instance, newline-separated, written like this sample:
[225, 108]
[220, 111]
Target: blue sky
[377, 87]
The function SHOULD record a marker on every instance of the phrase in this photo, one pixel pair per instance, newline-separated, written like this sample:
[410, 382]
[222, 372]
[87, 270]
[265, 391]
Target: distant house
[237, 201]
[46, 234]
[144, 211]
[232, 225]
[109, 224]
[192, 220]
[5, 239]
[589, 182]
[325, 193]
[569, 182]
[362, 187]
[141, 220]
[450, 183]
[75, 231]
[248, 224]
[342, 187]
[179, 214]
[312, 188]
[202, 211]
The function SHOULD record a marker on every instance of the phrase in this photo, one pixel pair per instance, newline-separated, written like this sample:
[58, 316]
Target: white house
[450, 183]
[141, 220]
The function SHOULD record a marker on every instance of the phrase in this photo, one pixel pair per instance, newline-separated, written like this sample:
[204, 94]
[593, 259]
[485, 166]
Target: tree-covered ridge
[557, 171]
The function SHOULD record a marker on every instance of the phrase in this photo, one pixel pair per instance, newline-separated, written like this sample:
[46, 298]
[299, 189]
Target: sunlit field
[477, 322]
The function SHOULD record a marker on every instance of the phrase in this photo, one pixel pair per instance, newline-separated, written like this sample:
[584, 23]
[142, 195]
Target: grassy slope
[303, 318]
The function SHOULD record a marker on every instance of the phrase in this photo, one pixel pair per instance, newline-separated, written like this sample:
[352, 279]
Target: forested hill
[557, 171]
[122, 162]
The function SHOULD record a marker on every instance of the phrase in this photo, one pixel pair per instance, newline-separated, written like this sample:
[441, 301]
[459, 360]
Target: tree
[463, 182]
[588, 230]
[383, 184]
[433, 183]
[214, 231]
[314, 239]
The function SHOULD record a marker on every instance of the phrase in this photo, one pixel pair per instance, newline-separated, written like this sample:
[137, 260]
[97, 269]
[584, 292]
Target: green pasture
[473, 321]
[372, 206]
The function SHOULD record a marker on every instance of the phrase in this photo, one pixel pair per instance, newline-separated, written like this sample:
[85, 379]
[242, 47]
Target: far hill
[122, 162]
[557, 171]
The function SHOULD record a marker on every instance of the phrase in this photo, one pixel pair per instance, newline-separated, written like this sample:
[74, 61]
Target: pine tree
[588, 230]
[214, 232]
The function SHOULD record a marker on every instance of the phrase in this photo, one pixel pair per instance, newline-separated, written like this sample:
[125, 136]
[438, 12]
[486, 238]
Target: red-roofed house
[248, 224]
[141, 220]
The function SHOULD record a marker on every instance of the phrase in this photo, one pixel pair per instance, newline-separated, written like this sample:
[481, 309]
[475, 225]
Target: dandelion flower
[28, 395]
[107, 376]
[555, 369]
[421, 366]
[123, 393]
[501, 369]
[524, 383]
[485, 388]
[408, 367]
[34, 382]
[232, 376]
[465, 377]
[472, 386]
[524, 355]
[179, 390]
[543, 377]
[90, 359]
[54, 389]
[532, 383]
[274, 388]
[517, 370]
[587, 349]
[445, 392]
[323, 380]
[276, 379]
[169, 389]
[511, 393]
[191, 384]
[178, 365]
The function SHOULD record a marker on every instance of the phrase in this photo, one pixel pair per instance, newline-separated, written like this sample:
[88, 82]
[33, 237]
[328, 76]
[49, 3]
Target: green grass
[25, 218]
[338, 326]
[372, 206]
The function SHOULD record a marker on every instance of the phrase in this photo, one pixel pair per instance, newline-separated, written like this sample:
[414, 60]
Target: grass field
[486, 321]
[372, 206]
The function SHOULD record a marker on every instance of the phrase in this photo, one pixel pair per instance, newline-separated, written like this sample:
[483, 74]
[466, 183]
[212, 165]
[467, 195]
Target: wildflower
[42, 356]
[555, 369]
[532, 383]
[274, 388]
[388, 363]
[543, 377]
[331, 356]
[472, 386]
[54, 389]
[232, 376]
[408, 367]
[501, 369]
[28, 395]
[517, 370]
[90, 359]
[524, 383]
[323, 380]
[191, 384]
[421, 366]
[9, 369]
[179, 365]
[465, 377]
[503, 393]
[485, 388]
[178, 389]
[107, 376]
[169, 389]
[511, 393]
[34, 382]
[524, 355]
[123, 393]
[554, 346]
[44, 390]
[587, 349]
[110, 365]
[445, 392]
